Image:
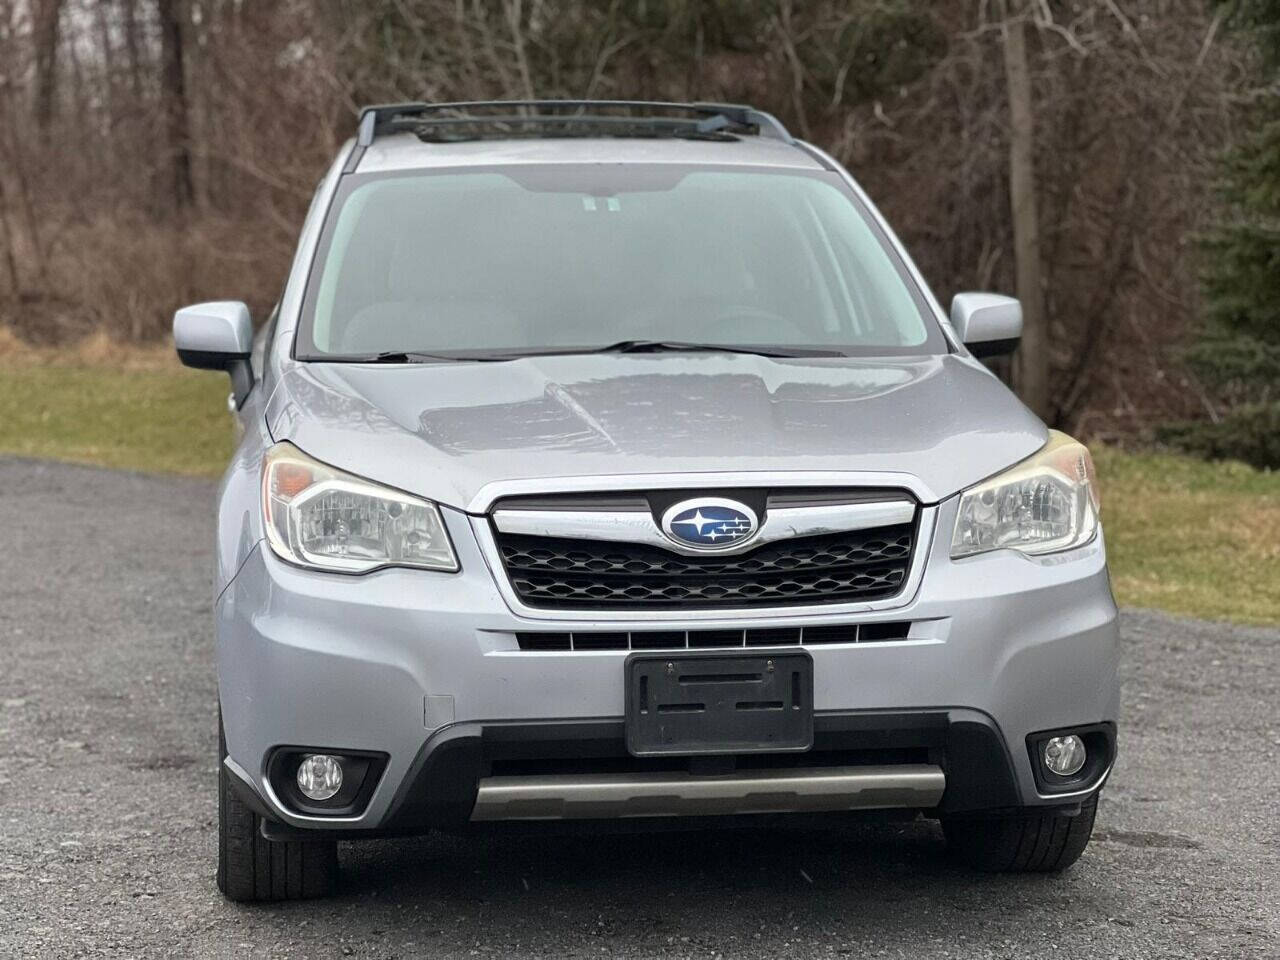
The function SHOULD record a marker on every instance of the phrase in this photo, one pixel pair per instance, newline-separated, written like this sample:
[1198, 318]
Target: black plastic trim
[856, 565]
[439, 789]
[211, 359]
[1100, 753]
[359, 780]
[247, 794]
[713, 120]
[993, 348]
[713, 686]
[238, 365]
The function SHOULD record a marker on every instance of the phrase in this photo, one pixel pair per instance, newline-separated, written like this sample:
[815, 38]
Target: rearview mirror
[217, 336]
[988, 324]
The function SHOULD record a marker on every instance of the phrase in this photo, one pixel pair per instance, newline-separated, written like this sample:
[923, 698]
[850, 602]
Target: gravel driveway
[107, 802]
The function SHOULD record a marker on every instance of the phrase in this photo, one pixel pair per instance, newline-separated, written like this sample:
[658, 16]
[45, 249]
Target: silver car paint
[444, 431]
[1026, 644]
[984, 317]
[221, 326]
[1020, 643]
[404, 151]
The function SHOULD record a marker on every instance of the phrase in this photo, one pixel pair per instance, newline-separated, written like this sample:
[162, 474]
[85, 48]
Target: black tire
[1026, 842]
[252, 868]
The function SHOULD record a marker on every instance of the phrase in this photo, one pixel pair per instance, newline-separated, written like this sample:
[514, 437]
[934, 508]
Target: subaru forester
[612, 462]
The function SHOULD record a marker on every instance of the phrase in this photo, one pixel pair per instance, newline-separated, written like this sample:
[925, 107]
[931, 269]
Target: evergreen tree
[1239, 351]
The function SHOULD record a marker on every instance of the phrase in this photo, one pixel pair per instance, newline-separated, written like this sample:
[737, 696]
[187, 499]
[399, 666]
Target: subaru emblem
[709, 523]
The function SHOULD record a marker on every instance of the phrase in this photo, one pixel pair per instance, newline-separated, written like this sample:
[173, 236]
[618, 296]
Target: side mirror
[988, 324]
[217, 336]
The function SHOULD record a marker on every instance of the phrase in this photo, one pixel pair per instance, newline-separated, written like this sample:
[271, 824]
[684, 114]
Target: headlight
[320, 517]
[1045, 504]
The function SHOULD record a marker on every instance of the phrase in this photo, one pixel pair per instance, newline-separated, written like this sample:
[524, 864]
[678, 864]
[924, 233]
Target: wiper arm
[407, 356]
[682, 346]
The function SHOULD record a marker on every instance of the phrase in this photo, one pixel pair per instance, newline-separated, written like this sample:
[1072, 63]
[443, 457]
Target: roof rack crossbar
[448, 129]
[701, 118]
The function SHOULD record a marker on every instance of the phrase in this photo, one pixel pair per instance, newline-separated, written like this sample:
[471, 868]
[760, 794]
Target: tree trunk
[171, 14]
[15, 164]
[1031, 365]
[133, 46]
[48, 18]
[6, 235]
[101, 18]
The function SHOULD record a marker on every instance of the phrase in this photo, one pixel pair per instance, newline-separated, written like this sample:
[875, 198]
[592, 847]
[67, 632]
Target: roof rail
[505, 119]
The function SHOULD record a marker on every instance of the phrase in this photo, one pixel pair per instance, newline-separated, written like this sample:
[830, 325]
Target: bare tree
[1059, 151]
[133, 46]
[7, 230]
[106, 50]
[48, 19]
[6, 235]
[172, 15]
[12, 161]
[1031, 365]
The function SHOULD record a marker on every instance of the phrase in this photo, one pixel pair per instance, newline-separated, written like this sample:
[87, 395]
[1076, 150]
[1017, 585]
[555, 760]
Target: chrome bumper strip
[614, 526]
[487, 496]
[801, 790]
[783, 523]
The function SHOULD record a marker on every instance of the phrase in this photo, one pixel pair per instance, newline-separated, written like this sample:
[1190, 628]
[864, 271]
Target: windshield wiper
[682, 346]
[622, 346]
[408, 356]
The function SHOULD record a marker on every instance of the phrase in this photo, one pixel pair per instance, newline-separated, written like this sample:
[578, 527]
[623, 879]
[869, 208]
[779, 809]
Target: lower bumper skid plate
[797, 790]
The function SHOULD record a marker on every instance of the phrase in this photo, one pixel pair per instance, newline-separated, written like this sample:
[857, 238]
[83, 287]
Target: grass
[139, 411]
[1194, 538]
[1189, 537]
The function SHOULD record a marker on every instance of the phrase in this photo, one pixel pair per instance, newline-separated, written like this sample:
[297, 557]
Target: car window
[585, 256]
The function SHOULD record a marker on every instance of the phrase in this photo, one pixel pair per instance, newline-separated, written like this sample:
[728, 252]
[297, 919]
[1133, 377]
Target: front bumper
[425, 668]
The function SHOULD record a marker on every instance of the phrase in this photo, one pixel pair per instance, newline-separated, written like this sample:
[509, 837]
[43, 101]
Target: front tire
[1025, 842]
[252, 868]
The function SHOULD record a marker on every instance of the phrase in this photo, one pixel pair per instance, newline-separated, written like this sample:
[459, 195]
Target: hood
[444, 431]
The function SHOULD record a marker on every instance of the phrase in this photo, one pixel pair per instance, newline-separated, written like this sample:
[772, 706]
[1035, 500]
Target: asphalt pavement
[108, 805]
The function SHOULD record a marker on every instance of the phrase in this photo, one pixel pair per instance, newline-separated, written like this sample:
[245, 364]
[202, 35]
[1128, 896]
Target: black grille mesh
[836, 568]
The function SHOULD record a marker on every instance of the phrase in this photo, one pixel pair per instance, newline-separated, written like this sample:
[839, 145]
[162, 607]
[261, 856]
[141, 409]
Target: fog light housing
[1064, 756]
[319, 776]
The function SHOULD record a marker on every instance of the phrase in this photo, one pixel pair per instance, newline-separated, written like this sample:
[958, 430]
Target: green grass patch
[161, 420]
[1190, 537]
[1195, 538]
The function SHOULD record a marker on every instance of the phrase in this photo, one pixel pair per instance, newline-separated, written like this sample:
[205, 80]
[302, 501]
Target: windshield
[564, 257]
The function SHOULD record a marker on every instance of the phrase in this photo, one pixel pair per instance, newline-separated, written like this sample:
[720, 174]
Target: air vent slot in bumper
[886, 632]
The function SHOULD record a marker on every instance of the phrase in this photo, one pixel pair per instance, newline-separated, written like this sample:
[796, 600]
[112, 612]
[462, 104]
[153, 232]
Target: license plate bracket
[683, 704]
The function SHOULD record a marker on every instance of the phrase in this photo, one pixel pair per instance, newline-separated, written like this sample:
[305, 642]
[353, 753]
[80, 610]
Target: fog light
[319, 776]
[1064, 755]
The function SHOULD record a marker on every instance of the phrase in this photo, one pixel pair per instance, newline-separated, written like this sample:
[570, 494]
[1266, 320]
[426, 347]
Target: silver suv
[611, 460]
